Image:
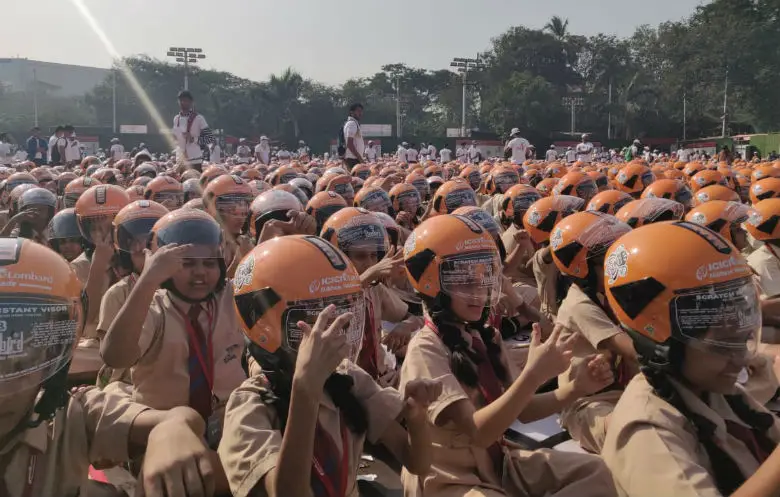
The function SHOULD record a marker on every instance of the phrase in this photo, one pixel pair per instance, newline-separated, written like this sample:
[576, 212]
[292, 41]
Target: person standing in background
[411, 154]
[571, 155]
[518, 146]
[474, 154]
[191, 132]
[431, 152]
[304, 153]
[551, 155]
[263, 151]
[371, 152]
[585, 149]
[37, 147]
[117, 150]
[423, 152]
[353, 138]
[445, 154]
[461, 152]
[54, 153]
[5, 150]
[215, 153]
[401, 152]
[244, 152]
[69, 147]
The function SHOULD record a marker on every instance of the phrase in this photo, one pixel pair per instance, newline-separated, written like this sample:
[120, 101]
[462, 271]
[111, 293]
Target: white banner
[376, 130]
[133, 129]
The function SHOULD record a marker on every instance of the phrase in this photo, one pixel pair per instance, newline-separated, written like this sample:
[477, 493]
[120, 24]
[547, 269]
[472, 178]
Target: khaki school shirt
[252, 440]
[93, 427]
[81, 266]
[767, 268]
[546, 280]
[652, 449]
[458, 466]
[387, 306]
[161, 376]
[113, 300]
[581, 316]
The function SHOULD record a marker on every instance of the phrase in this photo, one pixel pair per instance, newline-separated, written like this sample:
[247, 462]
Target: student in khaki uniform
[227, 199]
[63, 235]
[51, 437]
[539, 221]
[578, 244]
[305, 327]
[684, 426]
[132, 233]
[455, 266]
[177, 330]
[362, 236]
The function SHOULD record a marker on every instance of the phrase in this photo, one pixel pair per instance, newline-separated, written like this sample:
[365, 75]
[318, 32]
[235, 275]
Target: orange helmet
[453, 194]
[764, 171]
[674, 174]
[195, 228]
[609, 201]
[763, 222]
[88, 161]
[583, 237]
[470, 174]
[554, 170]
[96, 209]
[671, 189]
[210, 174]
[109, 176]
[500, 179]
[650, 210]
[342, 184]
[547, 186]
[692, 168]
[706, 178]
[323, 205]
[135, 192]
[165, 190]
[124, 165]
[531, 177]
[273, 204]
[17, 179]
[62, 181]
[227, 195]
[433, 170]
[454, 256]
[486, 222]
[601, 180]
[545, 213]
[142, 181]
[290, 188]
[354, 228]
[374, 199]
[405, 197]
[634, 178]
[362, 171]
[670, 283]
[577, 184]
[272, 292]
[516, 202]
[720, 216]
[283, 175]
[76, 188]
[133, 225]
[418, 181]
[764, 189]
[716, 192]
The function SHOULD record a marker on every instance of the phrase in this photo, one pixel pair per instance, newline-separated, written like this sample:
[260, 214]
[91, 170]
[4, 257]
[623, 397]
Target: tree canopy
[523, 80]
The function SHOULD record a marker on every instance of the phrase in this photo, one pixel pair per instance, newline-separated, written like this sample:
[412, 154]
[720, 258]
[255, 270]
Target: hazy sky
[327, 40]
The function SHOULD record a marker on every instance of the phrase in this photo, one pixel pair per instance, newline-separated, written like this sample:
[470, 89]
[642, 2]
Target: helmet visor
[309, 310]
[97, 228]
[409, 201]
[171, 200]
[505, 181]
[204, 236]
[233, 206]
[722, 318]
[322, 214]
[460, 198]
[344, 189]
[134, 236]
[524, 201]
[70, 199]
[474, 277]
[37, 333]
[376, 201]
[363, 237]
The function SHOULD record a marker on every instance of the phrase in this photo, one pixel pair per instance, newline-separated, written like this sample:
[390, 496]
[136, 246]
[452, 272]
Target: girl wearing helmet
[177, 329]
[454, 265]
[453, 194]
[166, 191]
[323, 205]
[685, 426]
[650, 210]
[578, 244]
[278, 213]
[407, 203]
[363, 238]
[763, 227]
[726, 218]
[227, 199]
[72, 430]
[309, 403]
[63, 235]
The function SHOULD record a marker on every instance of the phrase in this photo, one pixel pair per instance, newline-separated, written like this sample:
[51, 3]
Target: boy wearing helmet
[685, 426]
[455, 267]
[177, 329]
[51, 437]
[312, 403]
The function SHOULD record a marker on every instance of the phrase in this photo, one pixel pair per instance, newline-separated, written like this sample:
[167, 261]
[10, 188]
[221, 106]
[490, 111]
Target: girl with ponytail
[454, 265]
[685, 426]
[297, 426]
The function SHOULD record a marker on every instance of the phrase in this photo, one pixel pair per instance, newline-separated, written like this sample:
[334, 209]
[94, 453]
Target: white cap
[552, 146]
[263, 138]
[242, 140]
[515, 131]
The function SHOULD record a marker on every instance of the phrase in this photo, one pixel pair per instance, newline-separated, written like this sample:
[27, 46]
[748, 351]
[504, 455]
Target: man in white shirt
[371, 152]
[117, 151]
[69, 147]
[585, 150]
[303, 151]
[244, 152]
[411, 154]
[460, 152]
[551, 155]
[431, 152]
[263, 151]
[474, 154]
[283, 154]
[54, 154]
[354, 146]
[5, 150]
[518, 146]
[571, 155]
[401, 152]
[215, 153]
[445, 154]
[191, 133]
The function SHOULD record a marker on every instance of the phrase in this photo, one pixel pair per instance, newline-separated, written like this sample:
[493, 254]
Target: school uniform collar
[184, 305]
[717, 410]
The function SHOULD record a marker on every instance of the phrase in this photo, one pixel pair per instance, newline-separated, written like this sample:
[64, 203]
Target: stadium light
[186, 56]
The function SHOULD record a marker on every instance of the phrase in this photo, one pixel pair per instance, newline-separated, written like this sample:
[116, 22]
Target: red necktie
[748, 437]
[200, 390]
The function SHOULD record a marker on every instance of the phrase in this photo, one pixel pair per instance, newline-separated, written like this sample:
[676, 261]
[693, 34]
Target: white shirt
[571, 156]
[519, 147]
[117, 152]
[216, 153]
[432, 152]
[263, 152]
[303, 151]
[283, 155]
[584, 151]
[352, 130]
[411, 155]
[5, 153]
[445, 154]
[72, 150]
[473, 153]
[244, 154]
[189, 151]
[52, 142]
[371, 153]
[460, 152]
[551, 155]
[401, 153]
[767, 266]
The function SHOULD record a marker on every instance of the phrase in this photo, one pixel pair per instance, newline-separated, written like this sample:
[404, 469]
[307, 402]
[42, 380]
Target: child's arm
[101, 260]
[120, 347]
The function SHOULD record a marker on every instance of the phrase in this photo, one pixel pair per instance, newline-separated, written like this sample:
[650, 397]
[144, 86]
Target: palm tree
[284, 93]
[558, 27]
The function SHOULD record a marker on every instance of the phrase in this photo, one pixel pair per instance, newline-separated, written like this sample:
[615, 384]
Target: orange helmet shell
[453, 194]
[634, 178]
[720, 215]
[517, 200]
[764, 223]
[706, 178]
[609, 201]
[582, 236]
[764, 189]
[545, 213]
[716, 192]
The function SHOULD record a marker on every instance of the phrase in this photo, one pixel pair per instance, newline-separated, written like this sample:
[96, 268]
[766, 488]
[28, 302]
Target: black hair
[355, 106]
[185, 94]
[463, 359]
[726, 473]
[278, 368]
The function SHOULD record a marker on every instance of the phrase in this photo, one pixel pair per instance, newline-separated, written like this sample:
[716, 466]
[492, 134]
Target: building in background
[60, 80]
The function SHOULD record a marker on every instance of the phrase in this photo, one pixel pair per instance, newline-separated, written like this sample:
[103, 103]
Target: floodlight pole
[187, 56]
